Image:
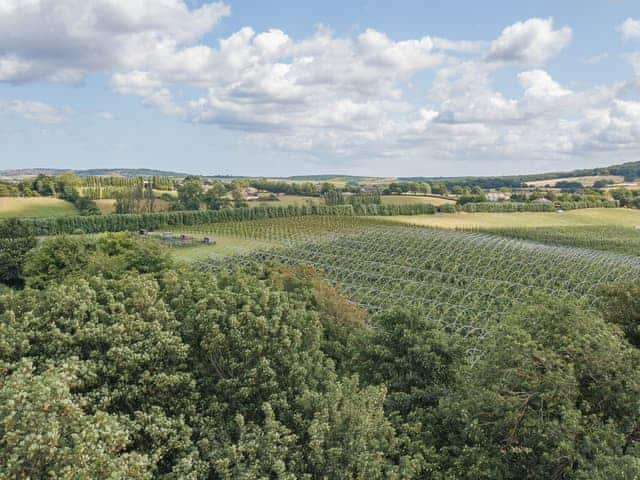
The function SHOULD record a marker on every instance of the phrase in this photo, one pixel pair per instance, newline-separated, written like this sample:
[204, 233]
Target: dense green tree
[215, 198]
[621, 305]
[555, 393]
[46, 433]
[184, 374]
[190, 193]
[16, 239]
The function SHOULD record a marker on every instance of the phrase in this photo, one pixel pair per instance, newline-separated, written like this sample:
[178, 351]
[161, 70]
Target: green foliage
[215, 198]
[621, 305]
[333, 197]
[180, 374]
[619, 239]
[117, 363]
[554, 393]
[16, 239]
[46, 433]
[190, 194]
[113, 254]
[153, 221]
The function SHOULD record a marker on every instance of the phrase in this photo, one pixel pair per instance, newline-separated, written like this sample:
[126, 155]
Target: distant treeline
[157, 220]
[153, 221]
[158, 182]
[630, 171]
[290, 188]
[503, 207]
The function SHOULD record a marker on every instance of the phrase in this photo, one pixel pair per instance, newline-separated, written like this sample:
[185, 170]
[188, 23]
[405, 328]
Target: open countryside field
[34, 207]
[226, 245]
[413, 199]
[574, 218]
[460, 278]
[106, 205]
[585, 181]
[286, 200]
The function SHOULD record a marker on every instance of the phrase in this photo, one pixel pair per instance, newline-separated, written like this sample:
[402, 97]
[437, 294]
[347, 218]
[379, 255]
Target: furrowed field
[461, 278]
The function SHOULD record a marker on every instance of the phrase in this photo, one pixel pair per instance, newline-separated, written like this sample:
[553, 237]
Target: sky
[277, 88]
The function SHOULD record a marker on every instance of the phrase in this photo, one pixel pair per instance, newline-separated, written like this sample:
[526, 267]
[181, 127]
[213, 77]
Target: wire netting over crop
[458, 277]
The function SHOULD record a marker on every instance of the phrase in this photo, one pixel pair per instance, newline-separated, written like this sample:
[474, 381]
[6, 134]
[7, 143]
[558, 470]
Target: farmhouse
[250, 193]
[498, 196]
[542, 200]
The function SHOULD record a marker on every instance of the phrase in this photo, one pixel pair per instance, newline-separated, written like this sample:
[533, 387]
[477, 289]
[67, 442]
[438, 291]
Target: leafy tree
[197, 375]
[621, 305]
[215, 198]
[555, 394]
[46, 433]
[190, 193]
[16, 239]
[238, 199]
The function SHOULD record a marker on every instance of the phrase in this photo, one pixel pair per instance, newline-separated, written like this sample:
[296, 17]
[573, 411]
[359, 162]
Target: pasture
[35, 207]
[573, 218]
[413, 199]
[287, 200]
[585, 181]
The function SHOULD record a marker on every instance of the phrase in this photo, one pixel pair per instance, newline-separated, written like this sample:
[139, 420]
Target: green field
[225, 246]
[611, 238]
[35, 207]
[573, 218]
[286, 200]
[243, 237]
[413, 199]
[461, 278]
[106, 205]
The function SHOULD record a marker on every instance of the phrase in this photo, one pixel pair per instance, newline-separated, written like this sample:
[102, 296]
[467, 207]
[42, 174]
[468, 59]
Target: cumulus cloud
[35, 111]
[135, 83]
[531, 42]
[62, 40]
[630, 29]
[539, 84]
[324, 95]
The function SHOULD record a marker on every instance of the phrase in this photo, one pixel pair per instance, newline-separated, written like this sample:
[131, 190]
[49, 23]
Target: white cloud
[163, 101]
[539, 84]
[35, 111]
[105, 115]
[323, 96]
[595, 59]
[531, 42]
[62, 40]
[630, 29]
[135, 83]
[462, 46]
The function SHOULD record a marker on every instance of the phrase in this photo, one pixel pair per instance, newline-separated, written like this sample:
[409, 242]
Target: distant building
[498, 196]
[250, 193]
[542, 200]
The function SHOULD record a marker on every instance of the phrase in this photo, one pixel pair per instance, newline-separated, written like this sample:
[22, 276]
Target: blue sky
[284, 87]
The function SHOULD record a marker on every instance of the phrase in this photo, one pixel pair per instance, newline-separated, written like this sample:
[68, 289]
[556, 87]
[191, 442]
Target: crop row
[463, 279]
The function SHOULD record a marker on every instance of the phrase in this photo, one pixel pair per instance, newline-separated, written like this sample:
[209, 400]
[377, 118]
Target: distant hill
[94, 172]
[324, 178]
[630, 171]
